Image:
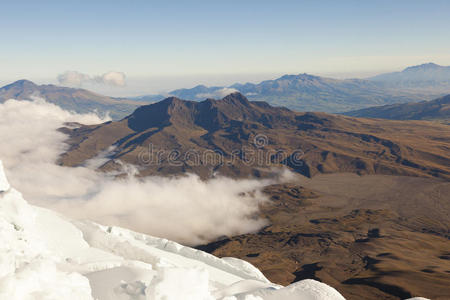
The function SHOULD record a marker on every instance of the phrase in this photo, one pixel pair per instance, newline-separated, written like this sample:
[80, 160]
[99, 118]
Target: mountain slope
[304, 92]
[438, 109]
[427, 76]
[371, 237]
[78, 100]
[46, 256]
[236, 137]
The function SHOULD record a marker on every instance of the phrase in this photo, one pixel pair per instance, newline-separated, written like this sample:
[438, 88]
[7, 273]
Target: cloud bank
[217, 94]
[77, 79]
[185, 209]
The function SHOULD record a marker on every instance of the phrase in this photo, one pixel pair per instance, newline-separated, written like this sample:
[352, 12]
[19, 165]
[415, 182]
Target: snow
[4, 184]
[40, 279]
[308, 289]
[45, 256]
[180, 283]
[28, 270]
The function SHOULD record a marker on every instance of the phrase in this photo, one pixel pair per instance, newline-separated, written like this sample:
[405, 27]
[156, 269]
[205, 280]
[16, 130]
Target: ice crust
[44, 255]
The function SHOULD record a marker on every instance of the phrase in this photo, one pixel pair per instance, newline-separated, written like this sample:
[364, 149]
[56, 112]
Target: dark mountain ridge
[308, 143]
[209, 114]
[438, 109]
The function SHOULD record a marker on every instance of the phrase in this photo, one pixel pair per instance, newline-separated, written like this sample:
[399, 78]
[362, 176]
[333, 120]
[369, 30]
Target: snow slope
[44, 255]
[4, 184]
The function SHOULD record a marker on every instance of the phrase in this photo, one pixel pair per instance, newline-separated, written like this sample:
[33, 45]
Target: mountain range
[72, 99]
[238, 138]
[438, 109]
[304, 92]
[429, 76]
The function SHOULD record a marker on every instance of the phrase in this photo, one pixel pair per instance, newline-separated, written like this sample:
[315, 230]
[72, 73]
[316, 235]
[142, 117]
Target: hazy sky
[170, 43]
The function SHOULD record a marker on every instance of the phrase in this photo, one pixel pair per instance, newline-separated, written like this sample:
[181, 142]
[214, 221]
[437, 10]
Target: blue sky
[214, 42]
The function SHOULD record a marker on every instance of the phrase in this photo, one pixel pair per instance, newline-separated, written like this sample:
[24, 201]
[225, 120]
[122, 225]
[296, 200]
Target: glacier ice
[4, 184]
[44, 255]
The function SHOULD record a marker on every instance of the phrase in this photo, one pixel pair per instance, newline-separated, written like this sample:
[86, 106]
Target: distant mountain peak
[210, 113]
[21, 83]
[200, 86]
[426, 66]
[24, 81]
[236, 98]
[429, 77]
[298, 76]
[71, 99]
[171, 100]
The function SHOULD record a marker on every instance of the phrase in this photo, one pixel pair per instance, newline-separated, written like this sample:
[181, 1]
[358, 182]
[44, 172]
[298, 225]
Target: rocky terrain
[438, 109]
[384, 235]
[239, 138]
[371, 237]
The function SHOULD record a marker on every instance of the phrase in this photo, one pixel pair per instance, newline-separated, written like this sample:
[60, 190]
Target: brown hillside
[239, 138]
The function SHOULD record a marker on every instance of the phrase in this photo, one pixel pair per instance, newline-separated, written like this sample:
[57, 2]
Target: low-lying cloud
[217, 94]
[185, 209]
[77, 79]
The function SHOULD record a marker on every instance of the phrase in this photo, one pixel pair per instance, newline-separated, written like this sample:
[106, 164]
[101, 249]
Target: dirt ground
[370, 237]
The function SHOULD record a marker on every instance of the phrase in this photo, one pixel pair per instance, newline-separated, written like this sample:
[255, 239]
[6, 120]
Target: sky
[160, 45]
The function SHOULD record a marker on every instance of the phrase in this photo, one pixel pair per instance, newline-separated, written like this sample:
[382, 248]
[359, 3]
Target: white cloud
[112, 78]
[185, 209]
[217, 94]
[73, 78]
[77, 79]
